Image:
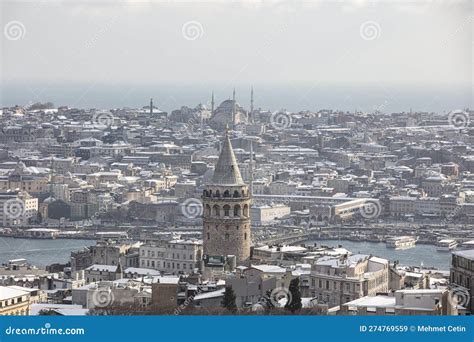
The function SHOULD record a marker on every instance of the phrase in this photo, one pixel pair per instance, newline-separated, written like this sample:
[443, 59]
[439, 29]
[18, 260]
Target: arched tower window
[237, 210]
[236, 194]
[217, 210]
[208, 210]
[246, 210]
[208, 236]
[218, 193]
[226, 210]
[245, 236]
[227, 236]
[226, 193]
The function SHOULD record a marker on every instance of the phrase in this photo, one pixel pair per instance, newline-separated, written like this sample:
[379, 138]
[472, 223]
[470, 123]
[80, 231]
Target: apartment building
[337, 280]
[174, 257]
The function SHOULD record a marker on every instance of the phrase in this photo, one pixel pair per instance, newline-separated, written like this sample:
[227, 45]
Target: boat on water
[446, 245]
[401, 242]
[468, 244]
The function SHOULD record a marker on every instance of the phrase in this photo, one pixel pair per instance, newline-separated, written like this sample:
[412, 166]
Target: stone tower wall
[226, 220]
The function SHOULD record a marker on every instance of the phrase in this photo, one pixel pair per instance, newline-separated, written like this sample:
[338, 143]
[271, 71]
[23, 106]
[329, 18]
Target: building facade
[462, 276]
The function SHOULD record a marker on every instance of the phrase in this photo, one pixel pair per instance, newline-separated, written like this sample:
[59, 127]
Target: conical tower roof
[227, 170]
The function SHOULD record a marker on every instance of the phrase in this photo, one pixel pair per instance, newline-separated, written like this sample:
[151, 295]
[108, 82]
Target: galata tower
[226, 201]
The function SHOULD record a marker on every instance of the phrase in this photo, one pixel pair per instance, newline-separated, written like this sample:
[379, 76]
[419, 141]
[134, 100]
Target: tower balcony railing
[227, 198]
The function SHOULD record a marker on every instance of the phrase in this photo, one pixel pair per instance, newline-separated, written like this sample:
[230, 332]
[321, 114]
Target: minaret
[251, 105]
[233, 109]
[151, 106]
[251, 168]
[212, 103]
[226, 203]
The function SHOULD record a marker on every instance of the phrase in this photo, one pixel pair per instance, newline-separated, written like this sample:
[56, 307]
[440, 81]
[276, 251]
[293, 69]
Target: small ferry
[401, 242]
[446, 245]
[468, 244]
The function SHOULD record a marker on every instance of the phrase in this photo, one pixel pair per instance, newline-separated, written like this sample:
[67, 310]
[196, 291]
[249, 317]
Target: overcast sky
[407, 42]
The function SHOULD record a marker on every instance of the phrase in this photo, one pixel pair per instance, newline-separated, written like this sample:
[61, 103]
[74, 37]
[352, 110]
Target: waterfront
[45, 252]
[425, 255]
[40, 252]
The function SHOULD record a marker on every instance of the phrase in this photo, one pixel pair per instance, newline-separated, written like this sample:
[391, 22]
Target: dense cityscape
[228, 208]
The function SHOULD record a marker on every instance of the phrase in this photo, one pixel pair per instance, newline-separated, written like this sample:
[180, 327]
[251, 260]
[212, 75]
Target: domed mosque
[228, 112]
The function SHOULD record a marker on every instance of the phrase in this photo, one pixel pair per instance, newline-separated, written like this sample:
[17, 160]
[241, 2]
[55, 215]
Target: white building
[337, 280]
[403, 302]
[268, 214]
[175, 256]
[17, 208]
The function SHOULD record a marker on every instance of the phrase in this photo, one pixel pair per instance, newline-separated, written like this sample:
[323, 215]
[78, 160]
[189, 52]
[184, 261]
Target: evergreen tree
[294, 302]
[267, 301]
[228, 301]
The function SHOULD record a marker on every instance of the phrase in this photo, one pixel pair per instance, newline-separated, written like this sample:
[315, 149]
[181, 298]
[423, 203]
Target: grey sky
[427, 42]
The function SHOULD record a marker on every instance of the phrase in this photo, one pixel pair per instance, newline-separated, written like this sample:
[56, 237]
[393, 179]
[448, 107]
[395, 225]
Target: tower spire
[151, 106]
[227, 170]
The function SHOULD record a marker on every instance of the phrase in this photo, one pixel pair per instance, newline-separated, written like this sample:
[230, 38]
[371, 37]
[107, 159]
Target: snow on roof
[282, 248]
[468, 254]
[62, 309]
[374, 301]
[8, 292]
[208, 295]
[142, 271]
[379, 260]
[103, 268]
[269, 268]
[350, 261]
